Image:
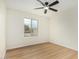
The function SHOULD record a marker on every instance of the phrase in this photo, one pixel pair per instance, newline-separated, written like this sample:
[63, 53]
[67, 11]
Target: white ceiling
[29, 5]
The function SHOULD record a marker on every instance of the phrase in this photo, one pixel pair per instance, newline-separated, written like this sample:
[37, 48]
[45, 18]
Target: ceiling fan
[47, 6]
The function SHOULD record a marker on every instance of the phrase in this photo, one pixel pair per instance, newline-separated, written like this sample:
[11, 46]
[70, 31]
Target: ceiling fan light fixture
[46, 7]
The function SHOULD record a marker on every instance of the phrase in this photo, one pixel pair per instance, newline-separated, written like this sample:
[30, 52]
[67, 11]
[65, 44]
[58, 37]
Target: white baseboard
[64, 45]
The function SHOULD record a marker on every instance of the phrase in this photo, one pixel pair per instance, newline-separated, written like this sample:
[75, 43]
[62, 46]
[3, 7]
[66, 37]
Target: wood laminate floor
[42, 51]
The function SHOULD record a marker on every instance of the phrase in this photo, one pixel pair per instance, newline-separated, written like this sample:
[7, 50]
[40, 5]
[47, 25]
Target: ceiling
[29, 5]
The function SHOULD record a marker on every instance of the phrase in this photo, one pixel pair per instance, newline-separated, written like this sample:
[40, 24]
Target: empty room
[39, 29]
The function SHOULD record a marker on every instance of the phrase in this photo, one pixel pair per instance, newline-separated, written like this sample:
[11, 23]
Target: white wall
[2, 28]
[15, 29]
[63, 28]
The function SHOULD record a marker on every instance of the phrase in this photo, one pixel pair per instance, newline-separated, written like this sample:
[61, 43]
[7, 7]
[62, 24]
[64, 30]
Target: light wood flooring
[42, 51]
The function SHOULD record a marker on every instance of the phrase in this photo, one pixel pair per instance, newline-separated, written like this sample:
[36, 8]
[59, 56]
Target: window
[30, 27]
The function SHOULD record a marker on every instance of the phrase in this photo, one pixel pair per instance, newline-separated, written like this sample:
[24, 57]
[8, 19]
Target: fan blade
[41, 2]
[53, 9]
[54, 3]
[45, 11]
[39, 8]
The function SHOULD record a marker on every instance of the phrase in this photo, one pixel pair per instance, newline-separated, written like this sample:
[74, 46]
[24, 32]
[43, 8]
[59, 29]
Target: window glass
[30, 27]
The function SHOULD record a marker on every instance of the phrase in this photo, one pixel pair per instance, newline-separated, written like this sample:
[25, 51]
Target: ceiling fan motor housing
[46, 3]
